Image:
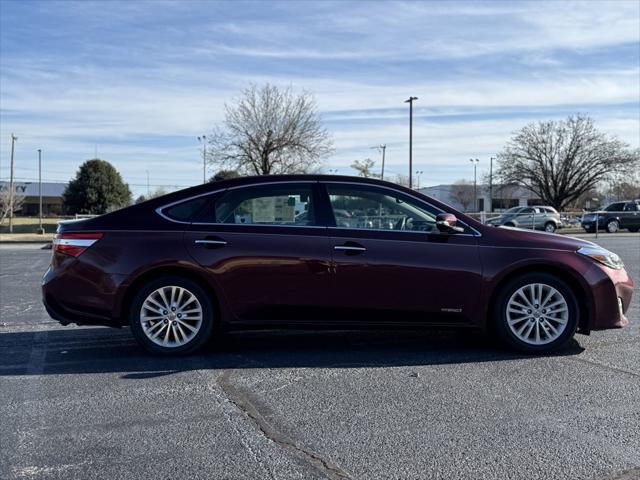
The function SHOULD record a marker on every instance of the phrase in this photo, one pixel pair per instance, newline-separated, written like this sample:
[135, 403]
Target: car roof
[267, 179]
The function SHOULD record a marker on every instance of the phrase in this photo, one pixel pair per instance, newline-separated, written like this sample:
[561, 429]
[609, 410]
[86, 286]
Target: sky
[138, 81]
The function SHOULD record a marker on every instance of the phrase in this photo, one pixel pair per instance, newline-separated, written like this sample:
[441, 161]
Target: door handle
[211, 243]
[350, 248]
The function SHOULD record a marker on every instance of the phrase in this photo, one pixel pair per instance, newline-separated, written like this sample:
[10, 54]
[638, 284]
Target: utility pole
[491, 184]
[40, 229]
[410, 101]
[11, 188]
[203, 140]
[382, 147]
[148, 191]
[475, 182]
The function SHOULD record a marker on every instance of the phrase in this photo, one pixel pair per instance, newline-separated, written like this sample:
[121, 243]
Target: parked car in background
[235, 254]
[614, 217]
[531, 217]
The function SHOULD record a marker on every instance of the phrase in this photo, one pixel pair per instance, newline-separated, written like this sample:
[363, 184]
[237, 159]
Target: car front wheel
[613, 226]
[550, 227]
[536, 313]
[171, 316]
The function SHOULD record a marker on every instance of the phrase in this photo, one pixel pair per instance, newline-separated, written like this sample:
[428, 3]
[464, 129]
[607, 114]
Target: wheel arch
[169, 270]
[583, 296]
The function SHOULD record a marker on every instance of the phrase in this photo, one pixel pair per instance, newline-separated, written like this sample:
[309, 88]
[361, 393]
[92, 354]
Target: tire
[171, 332]
[550, 227]
[518, 329]
[634, 229]
[613, 226]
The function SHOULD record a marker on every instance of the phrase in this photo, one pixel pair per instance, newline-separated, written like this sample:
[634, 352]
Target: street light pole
[475, 182]
[418, 173]
[203, 140]
[491, 184]
[40, 187]
[383, 148]
[410, 101]
[11, 188]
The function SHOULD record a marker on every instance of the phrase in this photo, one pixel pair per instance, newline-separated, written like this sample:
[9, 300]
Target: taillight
[74, 243]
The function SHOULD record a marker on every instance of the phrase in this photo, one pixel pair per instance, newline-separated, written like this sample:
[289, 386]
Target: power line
[50, 180]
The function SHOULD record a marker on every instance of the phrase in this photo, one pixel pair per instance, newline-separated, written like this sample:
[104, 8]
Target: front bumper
[612, 298]
[591, 225]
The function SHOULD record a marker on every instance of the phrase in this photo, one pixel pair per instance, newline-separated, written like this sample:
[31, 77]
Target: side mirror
[446, 223]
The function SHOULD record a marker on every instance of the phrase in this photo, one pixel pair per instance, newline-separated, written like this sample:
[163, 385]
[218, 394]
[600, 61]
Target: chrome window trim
[325, 182]
[477, 233]
[258, 225]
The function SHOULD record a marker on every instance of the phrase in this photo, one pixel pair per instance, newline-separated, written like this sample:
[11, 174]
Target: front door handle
[351, 248]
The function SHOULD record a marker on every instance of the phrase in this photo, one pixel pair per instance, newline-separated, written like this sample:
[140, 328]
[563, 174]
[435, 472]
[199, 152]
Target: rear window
[185, 211]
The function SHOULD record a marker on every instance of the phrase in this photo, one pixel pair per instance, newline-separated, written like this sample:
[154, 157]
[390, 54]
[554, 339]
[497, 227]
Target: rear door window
[279, 204]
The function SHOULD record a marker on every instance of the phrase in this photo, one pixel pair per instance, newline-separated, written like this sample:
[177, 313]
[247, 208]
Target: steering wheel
[403, 223]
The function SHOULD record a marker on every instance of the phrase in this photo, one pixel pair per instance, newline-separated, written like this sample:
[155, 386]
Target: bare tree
[462, 192]
[559, 161]
[624, 185]
[224, 175]
[365, 167]
[270, 131]
[6, 200]
[400, 179]
[158, 192]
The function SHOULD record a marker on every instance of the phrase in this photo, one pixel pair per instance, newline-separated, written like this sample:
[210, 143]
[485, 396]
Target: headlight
[602, 256]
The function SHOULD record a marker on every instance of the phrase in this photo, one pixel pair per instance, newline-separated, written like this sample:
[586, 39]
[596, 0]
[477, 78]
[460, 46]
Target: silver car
[530, 217]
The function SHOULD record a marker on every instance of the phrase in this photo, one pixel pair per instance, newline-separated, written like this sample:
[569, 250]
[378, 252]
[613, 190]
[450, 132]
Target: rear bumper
[77, 293]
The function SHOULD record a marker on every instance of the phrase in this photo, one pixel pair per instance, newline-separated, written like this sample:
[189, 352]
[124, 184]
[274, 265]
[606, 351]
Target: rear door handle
[352, 248]
[211, 242]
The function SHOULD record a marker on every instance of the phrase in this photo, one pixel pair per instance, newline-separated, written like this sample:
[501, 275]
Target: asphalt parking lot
[87, 403]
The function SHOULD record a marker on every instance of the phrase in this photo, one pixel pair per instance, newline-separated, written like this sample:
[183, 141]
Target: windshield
[514, 210]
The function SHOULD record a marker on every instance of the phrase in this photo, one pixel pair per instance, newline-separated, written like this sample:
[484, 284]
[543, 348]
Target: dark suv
[614, 217]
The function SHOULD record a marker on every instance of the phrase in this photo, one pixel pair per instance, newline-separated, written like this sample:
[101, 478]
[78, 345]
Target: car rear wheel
[613, 226]
[634, 229]
[536, 313]
[550, 227]
[171, 316]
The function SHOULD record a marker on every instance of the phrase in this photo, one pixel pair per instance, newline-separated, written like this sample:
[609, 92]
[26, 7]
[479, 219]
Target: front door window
[370, 208]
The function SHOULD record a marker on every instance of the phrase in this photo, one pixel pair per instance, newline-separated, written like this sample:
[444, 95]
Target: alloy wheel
[537, 314]
[171, 316]
[612, 226]
[550, 227]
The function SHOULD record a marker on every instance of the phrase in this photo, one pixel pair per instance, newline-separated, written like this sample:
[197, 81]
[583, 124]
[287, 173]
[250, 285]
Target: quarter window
[267, 205]
[377, 209]
[185, 211]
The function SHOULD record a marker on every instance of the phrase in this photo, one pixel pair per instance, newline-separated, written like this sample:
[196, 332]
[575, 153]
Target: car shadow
[102, 350]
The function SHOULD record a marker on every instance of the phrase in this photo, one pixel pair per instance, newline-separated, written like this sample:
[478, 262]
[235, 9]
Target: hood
[517, 237]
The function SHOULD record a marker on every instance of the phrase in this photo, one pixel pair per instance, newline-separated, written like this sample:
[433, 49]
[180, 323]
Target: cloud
[142, 80]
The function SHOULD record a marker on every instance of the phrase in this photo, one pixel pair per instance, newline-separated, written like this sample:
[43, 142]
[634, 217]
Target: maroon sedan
[325, 252]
